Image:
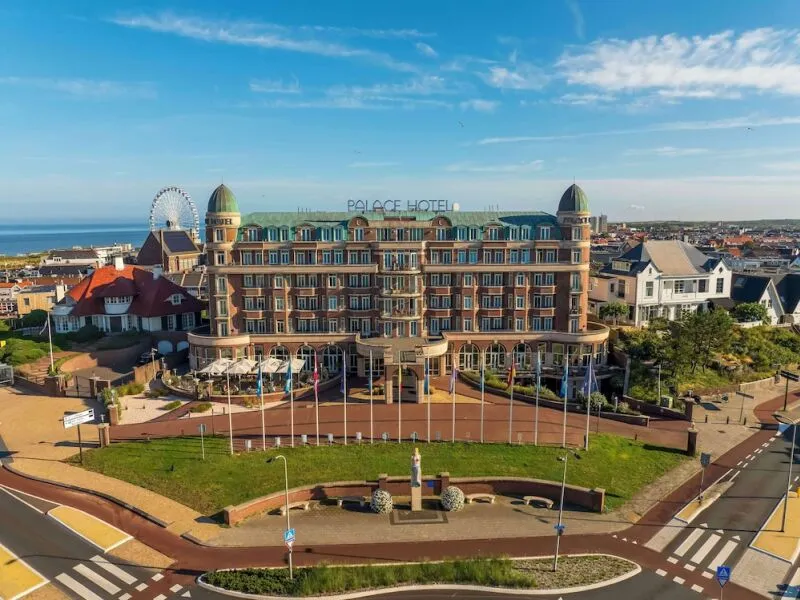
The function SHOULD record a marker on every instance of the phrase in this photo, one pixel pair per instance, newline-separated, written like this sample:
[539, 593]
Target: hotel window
[279, 327]
[720, 285]
[497, 323]
[247, 258]
[259, 281]
[547, 301]
[249, 302]
[474, 233]
[272, 234]
[576, 256]
[219, 235]
[520, 279]
[333, 302]
[648, 289]
[486, 279]
[519, 324]
[461, 233]
[680, 286]
[537, 301]
[550, 256]
[278, 281]
[547, 324]
[575, 282]
[447, 257]
[352, 258]
[549, 279]
[462, 257]
[253, 234]
[434, 257]
[221, 284]
[525, 257]
[333, 325]
[365, 258]
[525, 233]
[487, 256]
[577, 233]
[544, 232]
[222, 308]
[324, 234]
[536, 324]
[446, 279]
[445, 324]
[283, 234]
[434, 325]
[514, 257]
[498, 257]
[702, 286]
[220, 258]
[473, 257]
[494, 233]
[467, 324]
[537, 279]
[260, 303]
[468, 302]
[326, 257]
[338, 234]
[358, 234]
[519, 302]
[250, 325]
[300, 257]
[512, 233]
[467, 279]
[338, 257]
[558, 354]
[331, 281]
[273, 257]
[222, 329]
[435, 279]
[441, 234]
[279, 304]
[188, 321]
[573, 326]
[284, 257]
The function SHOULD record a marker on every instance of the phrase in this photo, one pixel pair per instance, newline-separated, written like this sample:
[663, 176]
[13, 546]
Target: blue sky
[680, 110]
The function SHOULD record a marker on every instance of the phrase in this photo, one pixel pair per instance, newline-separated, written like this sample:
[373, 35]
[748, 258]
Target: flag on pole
[589, 385]
[370, 371]
[512, 373]
[565, 380]
[427, 377]
[343, 382]
[288, 385]
[453, 380]
[259, 384]
[315, 376]
[46, 325]
[483, 376]
[538, 363]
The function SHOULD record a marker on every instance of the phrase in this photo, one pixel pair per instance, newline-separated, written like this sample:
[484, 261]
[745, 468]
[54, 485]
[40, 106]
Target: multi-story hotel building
[402, 287]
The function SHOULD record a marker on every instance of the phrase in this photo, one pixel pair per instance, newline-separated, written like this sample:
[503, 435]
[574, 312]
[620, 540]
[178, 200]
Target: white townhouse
[660, 278]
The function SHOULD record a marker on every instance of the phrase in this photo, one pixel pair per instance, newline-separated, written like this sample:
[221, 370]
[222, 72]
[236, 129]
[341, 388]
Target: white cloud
[670, 151]
[636, 207]
[353, 102]
[426, 85]
[369, 33]
[479, 105]
[426, 50]
[733, 123]
[258, 35]
[783, 166]
[585, 99]
[577, 17]
[719, 65]
[372, 165]
[520, 76]
[270, 86]
[85, 88]
[534, 165]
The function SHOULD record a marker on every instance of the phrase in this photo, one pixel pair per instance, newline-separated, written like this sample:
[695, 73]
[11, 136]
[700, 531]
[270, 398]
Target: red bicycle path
[191, 559]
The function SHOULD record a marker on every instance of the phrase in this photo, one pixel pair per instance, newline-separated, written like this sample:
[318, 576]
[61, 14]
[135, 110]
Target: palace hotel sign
[398, 205]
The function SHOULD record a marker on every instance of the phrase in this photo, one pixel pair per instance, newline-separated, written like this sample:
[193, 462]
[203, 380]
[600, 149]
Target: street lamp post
[286, 488]
[792, 422]
[560, 525]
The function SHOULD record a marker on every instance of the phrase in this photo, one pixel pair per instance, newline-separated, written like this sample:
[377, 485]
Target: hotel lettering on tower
[403, 286]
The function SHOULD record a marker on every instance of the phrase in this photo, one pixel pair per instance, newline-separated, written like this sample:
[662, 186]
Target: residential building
[195, 282]
[9, 291]
[788, 286]
[174, 249]
[757, 289]
[39, 297]
[661, 278]
[76, 257]
[402, 287]
[122, 297]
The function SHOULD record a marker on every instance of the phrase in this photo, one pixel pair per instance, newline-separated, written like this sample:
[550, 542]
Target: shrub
[381, 502]
[452, 499]
[35, 318]
[157, 392]
[130, 389]
[171, 405]
[201, 407]
[87, 333]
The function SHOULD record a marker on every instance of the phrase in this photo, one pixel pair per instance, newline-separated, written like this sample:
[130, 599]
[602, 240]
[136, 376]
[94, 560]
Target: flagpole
[291, 401]
[400, 404]
[483, 389]
[344, 391]
[453, 394]
[230, 417]
[511, 403]
[261, 396]
[588, 392]
[566, 393]
[536, 410]
[428, 363]
[371, 422]
[50, 342]
[316, 394]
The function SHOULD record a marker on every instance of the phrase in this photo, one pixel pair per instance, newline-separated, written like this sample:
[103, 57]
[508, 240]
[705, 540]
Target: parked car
[147, 357]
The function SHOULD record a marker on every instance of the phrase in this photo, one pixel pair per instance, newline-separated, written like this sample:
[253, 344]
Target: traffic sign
[288, 536]
[723, 575]
[705, 459]
[790, 376]
[70, 420]
[560, 527]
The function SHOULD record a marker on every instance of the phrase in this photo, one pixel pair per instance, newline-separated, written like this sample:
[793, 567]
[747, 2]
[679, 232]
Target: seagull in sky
[460, 123]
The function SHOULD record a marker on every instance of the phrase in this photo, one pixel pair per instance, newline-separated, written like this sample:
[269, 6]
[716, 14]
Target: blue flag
[343, 382]
[427, 378]
[565, 380]
[589, 385]
[259, 384]
[453, 380]
[288, 386]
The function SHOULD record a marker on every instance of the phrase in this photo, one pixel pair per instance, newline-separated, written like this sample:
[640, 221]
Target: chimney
[157, 271]
[119, 263]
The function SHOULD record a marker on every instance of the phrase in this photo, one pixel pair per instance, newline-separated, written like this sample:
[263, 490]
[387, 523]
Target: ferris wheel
[173, 208]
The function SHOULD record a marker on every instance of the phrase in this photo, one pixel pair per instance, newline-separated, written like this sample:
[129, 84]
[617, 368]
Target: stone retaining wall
[591, 499]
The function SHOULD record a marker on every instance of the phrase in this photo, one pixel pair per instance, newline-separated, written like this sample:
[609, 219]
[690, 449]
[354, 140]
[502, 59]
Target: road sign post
[743, 396]
[288, 539]
[723, 577]
[75, 420]
[202, 441]
[788, 376]
[705, 460]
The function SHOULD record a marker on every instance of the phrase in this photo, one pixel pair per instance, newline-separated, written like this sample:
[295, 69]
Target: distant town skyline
[684, 111]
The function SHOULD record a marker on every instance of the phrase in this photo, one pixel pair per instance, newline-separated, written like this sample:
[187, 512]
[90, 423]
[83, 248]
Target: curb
[444, 586]
[103, 495]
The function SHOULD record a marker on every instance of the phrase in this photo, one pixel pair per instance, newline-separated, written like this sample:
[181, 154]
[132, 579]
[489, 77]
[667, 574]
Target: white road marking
[76, 587]
[98, 580]
[160, 597]
[719, 531]
[672, 559]
[705, 548]
[28, 504]
[723, 555]
[158, 577]
[748, 457]
[123, 576]
[772, 439]
[689, 542]
[697, 588]
[125, 597]
[758, 451]
[679, 580]
[141, 587]
[705, 574]
[186, 594]
[704, 525]
[661, 572]
[737, 538]
[624, 539]
[176, 588]
[764, 445]
[735, 475]
[635, 542]
[689, 567]
[739, 464]
[614, 536]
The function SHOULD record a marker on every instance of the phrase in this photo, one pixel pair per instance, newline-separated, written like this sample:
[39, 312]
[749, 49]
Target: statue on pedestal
[416, 469]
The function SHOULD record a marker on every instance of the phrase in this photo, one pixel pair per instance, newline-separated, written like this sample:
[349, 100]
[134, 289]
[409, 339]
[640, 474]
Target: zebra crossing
[99, 579]
[704, 550]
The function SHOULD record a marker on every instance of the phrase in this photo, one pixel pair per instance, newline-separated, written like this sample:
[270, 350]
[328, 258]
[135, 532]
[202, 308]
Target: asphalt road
[722, 533]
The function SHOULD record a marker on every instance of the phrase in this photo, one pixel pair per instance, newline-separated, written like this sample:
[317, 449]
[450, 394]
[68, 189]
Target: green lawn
[173, 467]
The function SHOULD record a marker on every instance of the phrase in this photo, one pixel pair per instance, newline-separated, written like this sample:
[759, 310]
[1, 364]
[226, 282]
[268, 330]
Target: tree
[613, 310]
[703, 334]
[35, 318]
[748, 312]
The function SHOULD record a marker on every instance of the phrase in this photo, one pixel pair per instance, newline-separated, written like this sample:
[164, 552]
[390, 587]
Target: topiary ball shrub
[452, 499]
[381, 502]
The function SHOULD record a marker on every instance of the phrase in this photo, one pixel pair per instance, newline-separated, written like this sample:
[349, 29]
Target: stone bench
[483, 497]
[303, 505]
[546, 502]
[361, 500]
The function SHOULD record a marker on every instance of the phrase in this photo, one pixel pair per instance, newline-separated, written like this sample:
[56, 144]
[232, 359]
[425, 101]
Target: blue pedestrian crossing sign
[723, 575]
[560, 527]
[288, 537]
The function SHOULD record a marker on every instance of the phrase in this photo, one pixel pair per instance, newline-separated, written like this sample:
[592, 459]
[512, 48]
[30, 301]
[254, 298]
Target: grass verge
[173, 467]
[496, 572]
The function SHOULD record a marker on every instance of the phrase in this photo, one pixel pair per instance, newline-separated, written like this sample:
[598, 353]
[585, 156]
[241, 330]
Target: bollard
[706, 418]
[303, 439]
[745, 420]
[727, 420]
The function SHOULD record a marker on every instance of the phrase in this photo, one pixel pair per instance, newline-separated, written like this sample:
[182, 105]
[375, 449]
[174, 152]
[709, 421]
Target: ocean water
[21, 239]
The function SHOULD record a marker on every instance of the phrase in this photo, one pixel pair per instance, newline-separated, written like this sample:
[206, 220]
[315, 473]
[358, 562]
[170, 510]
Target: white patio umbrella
[242, 367]
[297, 365]
[269, 366]
[218, 367]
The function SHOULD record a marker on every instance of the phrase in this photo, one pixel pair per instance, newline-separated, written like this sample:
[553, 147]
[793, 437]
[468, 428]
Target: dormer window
[176, 299]
[544, 232]
[119, 299]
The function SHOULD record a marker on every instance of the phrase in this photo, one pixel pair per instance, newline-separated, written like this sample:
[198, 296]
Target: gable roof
[150, 294]
[748, 288]
[671, 257]
[74, 253]
[788, 286]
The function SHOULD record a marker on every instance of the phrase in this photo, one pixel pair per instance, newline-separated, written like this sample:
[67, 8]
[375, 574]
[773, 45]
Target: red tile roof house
[123, 297]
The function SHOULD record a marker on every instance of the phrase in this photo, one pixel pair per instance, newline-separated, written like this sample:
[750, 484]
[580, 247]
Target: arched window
[279, 352]
[332, 359]
[496, 357]
[469, 358]
[306, 354]
[523, 357]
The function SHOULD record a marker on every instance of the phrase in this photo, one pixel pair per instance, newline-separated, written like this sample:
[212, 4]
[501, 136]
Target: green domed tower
[222, 226]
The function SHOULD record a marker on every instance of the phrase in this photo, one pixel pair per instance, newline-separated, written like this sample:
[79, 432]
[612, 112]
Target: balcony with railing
[401, 314]
[400, 291]
[398, 268]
